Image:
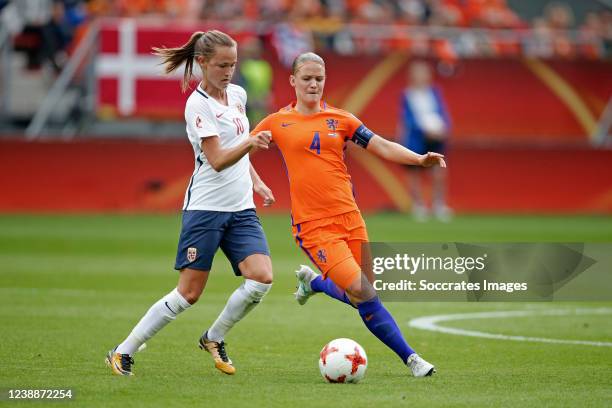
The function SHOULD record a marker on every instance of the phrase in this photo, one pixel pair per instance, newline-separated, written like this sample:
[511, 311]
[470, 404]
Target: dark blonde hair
[200, 43]
[303, 58]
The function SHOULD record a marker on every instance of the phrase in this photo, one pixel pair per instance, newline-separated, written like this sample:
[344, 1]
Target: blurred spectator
[606, 30]
[10, 19]
[591, 29]
[597, 25]
[255, 76]
[220, 10]
[273, 10]
[45, 29]
[540, 44]
[559, 16]
[446, 13]
[75, 14]
[41, 38]
[425, 128]
[290, 40]
[412, 12]
[374, 26]
[489, 13]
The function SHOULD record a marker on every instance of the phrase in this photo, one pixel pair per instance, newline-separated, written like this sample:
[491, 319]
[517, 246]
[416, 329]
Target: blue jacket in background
[412, 135]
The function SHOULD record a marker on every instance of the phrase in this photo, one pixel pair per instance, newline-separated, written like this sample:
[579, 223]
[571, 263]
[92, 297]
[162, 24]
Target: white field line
[431, 323]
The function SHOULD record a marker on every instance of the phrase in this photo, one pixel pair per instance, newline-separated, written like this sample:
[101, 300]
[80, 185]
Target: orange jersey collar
[291, 106]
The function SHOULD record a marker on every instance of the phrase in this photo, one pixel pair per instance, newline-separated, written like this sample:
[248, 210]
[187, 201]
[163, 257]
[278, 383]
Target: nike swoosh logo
[169, 308]
[219, 115]
[285, 124]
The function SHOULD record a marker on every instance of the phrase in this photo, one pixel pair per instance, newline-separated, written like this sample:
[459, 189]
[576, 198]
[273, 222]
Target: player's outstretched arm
[220, 158]
[261, 188]
[399, 154]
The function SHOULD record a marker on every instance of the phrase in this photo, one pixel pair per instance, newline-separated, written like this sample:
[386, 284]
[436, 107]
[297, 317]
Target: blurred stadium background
[527, 85]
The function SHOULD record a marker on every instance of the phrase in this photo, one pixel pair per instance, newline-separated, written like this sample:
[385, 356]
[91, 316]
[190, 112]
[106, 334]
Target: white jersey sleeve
[201, 121]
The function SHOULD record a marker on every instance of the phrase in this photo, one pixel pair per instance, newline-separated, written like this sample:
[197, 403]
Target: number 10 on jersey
[239, 126]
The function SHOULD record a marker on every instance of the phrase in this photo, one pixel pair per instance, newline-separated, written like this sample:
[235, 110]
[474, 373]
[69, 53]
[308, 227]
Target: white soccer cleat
[420, 367]
[305, 275]
[443, 213]
[420, 213]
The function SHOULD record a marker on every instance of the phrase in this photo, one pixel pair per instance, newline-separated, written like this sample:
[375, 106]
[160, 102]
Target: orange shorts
[334, 244]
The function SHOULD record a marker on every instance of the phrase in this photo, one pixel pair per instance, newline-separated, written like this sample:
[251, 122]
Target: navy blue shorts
[429, 145]
[239, 234]
[436, 146]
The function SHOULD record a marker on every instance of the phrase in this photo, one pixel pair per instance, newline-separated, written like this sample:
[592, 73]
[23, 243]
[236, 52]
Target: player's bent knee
[257, 290]
[191, 284]
[360, 290]
[258, 268]
[264, 277]
[261, 275]
[191, 295]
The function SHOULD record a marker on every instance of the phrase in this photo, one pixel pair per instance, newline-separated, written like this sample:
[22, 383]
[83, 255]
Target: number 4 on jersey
[316, 143]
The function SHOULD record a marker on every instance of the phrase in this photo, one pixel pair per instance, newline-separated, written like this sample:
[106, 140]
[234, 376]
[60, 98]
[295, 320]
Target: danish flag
[131, 80]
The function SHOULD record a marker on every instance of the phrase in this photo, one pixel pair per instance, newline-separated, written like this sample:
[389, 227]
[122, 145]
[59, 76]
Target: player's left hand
[265, 193]
[431, 159]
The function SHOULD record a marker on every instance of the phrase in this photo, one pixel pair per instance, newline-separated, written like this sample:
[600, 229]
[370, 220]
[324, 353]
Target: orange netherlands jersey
[313, 147]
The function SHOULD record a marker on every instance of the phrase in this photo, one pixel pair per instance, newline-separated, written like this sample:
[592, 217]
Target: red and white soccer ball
[343, 361]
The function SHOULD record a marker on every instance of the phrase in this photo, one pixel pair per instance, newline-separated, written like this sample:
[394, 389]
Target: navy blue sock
[328, 286]
[380, 322]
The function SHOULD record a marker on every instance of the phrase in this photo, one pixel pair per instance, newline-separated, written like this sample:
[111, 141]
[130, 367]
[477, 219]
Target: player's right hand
[261, 140]
[431, 159]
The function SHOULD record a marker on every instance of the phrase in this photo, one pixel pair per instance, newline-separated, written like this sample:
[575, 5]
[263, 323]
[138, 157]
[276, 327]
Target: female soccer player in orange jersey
[327, 224]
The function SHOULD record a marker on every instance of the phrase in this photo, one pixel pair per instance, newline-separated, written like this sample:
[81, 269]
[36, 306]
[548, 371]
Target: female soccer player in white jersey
[218, 210]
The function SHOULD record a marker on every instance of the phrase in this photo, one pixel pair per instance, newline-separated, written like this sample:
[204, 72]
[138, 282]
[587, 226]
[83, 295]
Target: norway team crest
[192, 254]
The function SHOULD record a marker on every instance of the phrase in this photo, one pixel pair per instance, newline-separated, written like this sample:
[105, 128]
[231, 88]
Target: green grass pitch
[73, 286]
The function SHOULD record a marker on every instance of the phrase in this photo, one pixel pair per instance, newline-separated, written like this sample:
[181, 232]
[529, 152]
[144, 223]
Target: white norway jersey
[230, 189]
